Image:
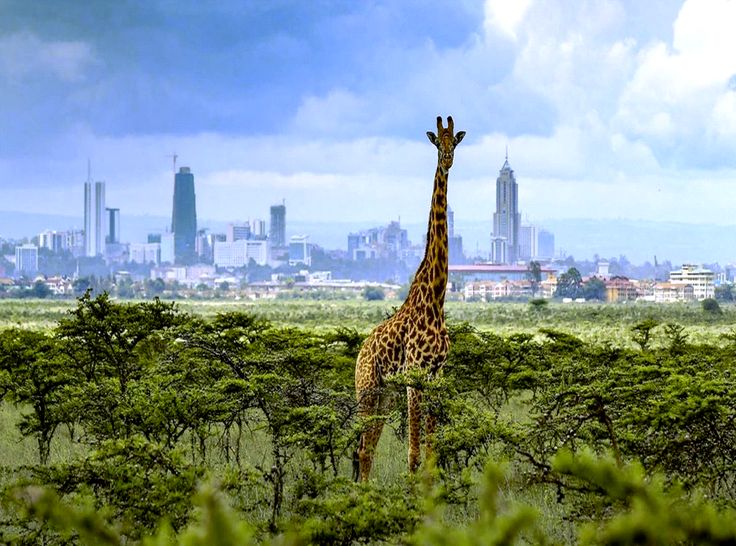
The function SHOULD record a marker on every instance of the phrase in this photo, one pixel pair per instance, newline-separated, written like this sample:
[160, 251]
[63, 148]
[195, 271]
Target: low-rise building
[494, 290]
[670, 292]
[620, 289]
[145, 253]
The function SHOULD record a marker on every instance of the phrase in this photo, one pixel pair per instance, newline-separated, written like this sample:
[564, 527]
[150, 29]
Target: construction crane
[173, 157]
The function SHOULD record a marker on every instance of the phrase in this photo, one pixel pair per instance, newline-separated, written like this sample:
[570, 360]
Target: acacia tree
[569, 284]
[534, 275]
[110, 347]
[34, 377]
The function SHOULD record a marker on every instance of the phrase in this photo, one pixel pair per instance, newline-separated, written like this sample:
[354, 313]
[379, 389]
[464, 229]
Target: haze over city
[609, 110]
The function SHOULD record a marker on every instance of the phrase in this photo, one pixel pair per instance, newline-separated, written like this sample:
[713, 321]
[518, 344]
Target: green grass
[599, 323]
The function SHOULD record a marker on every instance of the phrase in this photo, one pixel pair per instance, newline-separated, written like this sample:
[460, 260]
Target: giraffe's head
[445, 140]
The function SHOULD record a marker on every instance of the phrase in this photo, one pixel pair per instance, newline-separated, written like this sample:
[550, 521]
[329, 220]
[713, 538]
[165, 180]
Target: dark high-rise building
[184, 217]
[277, 230]
[506, 219]
[113, 226]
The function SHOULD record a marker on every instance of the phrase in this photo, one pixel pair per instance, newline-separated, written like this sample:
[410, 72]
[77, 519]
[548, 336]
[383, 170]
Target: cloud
[24, 55]
[505, 16]
[609, 108]
[679, 94]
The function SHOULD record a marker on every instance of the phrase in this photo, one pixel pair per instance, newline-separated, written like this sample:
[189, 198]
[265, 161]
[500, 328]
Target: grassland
[591, 322]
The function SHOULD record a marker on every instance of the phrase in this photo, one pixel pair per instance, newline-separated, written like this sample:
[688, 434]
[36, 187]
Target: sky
[608, 109]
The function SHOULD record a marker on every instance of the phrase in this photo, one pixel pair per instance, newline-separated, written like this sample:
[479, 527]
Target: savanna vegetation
[158, 423]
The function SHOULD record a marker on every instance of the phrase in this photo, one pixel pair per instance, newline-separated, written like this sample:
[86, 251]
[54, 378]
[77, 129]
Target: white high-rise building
[52, 240]
[300, 251]
[528, 243]
[258, 228]
[26, 260]
[168, 242]
[94, 218]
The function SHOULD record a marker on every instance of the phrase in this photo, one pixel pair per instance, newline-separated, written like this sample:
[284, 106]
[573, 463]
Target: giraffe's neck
[433, 269]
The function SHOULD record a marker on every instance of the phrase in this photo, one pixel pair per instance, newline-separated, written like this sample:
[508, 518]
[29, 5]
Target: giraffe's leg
[368, 406]
[431, 425]
[414, 398]
[431, 420]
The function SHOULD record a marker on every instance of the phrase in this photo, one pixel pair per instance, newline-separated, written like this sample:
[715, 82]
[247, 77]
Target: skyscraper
[184, 217]
[277, 233]
[506, 219]
[94, 217]
[113, 226]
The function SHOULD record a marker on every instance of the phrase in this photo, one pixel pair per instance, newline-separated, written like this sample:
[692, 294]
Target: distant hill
[638, 240]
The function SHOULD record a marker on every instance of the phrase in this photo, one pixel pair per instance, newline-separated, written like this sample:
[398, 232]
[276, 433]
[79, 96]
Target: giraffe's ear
[432, 137]
[459, 137]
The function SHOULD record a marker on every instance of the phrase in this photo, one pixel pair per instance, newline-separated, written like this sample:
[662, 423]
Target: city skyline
[597, 103]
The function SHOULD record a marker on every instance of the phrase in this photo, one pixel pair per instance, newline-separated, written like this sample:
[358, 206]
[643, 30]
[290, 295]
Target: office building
[506, 219]
[239, 253]
[52, 240]
[300, 251]
[546, 244]
[528, 243]
[277, 233]
[454, 242]
[236, 232]
[145, 253]
[94, 218]
[168, 248]
[113, 226]
[73, 241]
[26, 260]
[386, 242]
[258, 229]
[184, 218]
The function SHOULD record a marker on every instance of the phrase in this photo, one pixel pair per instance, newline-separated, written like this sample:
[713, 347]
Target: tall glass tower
[184, 217]
[506, 219]
[277, 233]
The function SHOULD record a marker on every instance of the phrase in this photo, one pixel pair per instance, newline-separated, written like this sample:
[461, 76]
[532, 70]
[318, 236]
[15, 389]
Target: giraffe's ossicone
[415, 337]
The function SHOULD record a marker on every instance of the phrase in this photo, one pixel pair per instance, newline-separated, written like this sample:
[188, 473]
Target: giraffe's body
[415, 337]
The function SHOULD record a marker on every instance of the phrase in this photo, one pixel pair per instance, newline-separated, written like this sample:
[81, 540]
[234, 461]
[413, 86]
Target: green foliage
[569, 284]
[538, 304]
[711, 306]
[594, 289]
[33, 376]
[534, 276]
[641, 333]
[373, 293]
[612, 443]
[725, 292]
[652, 513]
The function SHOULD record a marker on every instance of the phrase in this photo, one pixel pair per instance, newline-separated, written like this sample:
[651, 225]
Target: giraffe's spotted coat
[416, 335]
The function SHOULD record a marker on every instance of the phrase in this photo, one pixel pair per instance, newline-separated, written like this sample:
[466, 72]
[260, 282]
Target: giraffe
[415, 337]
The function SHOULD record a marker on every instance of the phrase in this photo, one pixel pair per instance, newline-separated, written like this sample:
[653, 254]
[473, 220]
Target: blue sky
[610, 109]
